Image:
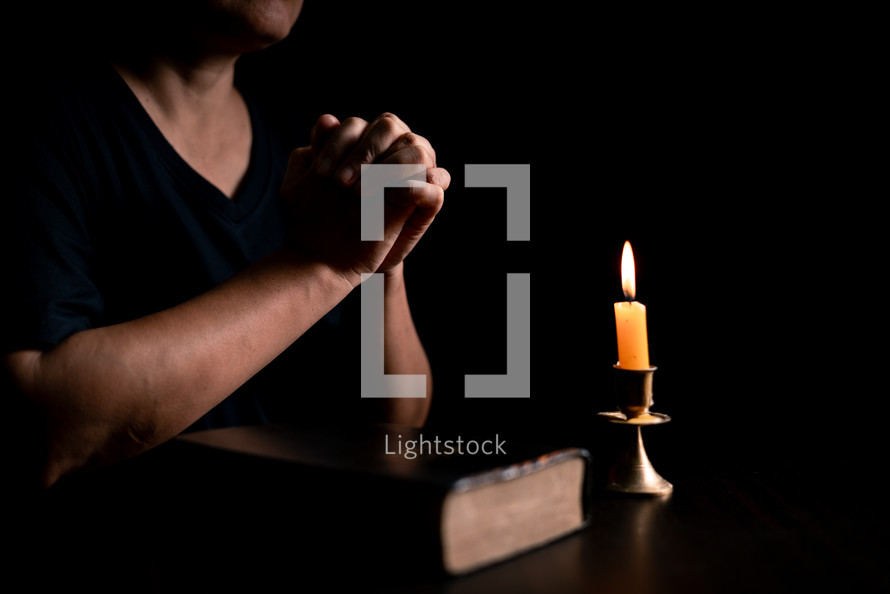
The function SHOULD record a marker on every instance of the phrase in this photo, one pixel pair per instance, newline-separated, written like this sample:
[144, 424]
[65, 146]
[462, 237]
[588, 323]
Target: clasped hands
[320, 195]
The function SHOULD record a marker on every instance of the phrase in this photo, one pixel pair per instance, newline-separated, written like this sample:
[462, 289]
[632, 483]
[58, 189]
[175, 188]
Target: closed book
[392, 498]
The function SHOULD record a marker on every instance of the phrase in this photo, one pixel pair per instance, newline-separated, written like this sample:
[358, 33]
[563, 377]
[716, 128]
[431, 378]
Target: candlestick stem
[632, 471]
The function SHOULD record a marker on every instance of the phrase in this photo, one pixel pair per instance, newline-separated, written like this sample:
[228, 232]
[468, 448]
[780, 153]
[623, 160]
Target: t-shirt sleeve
[50, 292]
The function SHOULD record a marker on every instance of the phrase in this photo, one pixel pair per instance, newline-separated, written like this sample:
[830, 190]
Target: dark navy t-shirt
[104, 222]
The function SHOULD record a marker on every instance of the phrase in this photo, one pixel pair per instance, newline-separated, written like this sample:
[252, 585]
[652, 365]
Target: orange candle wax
[630, 319]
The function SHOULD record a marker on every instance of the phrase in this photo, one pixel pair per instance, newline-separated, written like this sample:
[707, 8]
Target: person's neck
[197, 108]
[179, 90]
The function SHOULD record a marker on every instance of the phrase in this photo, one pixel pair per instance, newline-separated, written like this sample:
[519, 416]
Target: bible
[384, 495]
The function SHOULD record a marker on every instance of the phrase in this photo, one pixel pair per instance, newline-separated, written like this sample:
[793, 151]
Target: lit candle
[630, 319]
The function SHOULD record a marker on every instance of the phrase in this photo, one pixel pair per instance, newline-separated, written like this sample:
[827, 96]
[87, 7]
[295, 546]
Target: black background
[733, 149]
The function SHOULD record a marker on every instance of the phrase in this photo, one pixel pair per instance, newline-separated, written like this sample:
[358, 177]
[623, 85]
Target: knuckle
[439, 177]
[326, 119]
[412, 154]
[392, 122]
[389, 126]
[412, 139]
[354, 122]
[421, 155]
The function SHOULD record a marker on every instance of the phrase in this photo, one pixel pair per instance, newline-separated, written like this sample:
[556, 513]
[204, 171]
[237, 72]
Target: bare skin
[109, 393]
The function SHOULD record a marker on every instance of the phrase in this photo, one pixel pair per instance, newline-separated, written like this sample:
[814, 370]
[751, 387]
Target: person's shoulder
[57, 125]
[53, 95]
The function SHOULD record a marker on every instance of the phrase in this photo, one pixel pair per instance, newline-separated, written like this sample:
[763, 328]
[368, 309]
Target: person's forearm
[403, 350]
[110, 393]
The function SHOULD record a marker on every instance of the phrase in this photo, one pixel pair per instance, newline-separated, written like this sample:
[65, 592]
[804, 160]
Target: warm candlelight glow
[628, 274]
[630, 319]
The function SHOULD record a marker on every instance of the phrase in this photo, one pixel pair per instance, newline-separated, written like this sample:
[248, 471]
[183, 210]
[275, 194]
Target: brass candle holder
[632, 471]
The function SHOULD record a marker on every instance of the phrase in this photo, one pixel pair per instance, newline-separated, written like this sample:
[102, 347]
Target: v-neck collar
[252, 186]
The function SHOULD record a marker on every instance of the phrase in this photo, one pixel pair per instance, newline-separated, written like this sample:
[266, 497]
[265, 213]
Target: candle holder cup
[633, 472]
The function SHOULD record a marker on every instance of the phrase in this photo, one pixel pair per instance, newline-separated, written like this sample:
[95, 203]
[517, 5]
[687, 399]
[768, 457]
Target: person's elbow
[58, 430]
[26, 448]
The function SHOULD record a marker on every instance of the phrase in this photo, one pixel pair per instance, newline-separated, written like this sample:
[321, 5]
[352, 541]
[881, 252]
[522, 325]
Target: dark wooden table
[736, 530]
[752, 523]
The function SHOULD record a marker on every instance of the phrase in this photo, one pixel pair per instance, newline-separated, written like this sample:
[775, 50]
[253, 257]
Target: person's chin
[262, 26]
[247, 42]
[275, 23]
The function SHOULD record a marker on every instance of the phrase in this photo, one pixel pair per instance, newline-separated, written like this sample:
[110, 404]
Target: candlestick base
[633, 472]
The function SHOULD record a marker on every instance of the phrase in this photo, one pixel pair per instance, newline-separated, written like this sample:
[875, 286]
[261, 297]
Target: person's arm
[388, 140]
[109, 393]
[403, 352]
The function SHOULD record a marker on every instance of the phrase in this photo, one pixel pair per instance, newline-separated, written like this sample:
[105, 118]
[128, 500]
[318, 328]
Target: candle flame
[628, 273]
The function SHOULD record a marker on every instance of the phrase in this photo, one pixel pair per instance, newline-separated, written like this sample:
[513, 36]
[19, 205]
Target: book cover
[439, 503]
